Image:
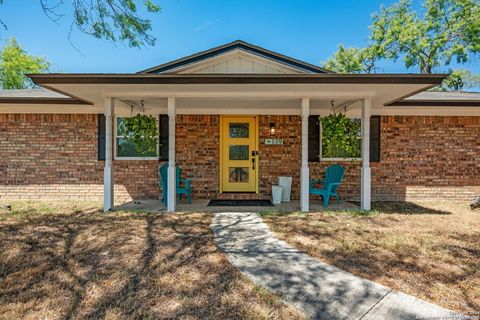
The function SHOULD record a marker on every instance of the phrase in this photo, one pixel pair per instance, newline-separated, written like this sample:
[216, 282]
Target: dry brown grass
[64, 261]
[429, 250]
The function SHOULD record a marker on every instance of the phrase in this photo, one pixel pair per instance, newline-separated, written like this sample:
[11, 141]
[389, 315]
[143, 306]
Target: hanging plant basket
[340, 136]
[142, 131]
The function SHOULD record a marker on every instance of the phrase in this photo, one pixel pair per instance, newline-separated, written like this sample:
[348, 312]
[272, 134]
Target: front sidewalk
[319, 290]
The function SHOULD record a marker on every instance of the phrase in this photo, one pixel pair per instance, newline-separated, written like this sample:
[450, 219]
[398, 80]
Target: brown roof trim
[436, 103]
[40, 100]
[237, 44]
[327, 78]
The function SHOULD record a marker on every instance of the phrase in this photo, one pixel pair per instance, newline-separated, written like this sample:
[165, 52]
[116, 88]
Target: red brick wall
[55, 156]
[428, 157]
[421, 157]
[198, 151]
[279, 160]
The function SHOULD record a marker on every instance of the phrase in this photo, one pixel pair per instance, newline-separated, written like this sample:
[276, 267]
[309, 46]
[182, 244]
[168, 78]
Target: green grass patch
[350, 212]
[271, 213]
[21, 209]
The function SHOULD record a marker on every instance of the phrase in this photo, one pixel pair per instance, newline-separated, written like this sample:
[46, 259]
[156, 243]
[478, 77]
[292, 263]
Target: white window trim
[341, 159]
[334, 159]
[132, 158]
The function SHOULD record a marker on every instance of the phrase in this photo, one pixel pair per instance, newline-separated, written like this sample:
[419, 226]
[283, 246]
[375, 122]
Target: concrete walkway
[320, 290]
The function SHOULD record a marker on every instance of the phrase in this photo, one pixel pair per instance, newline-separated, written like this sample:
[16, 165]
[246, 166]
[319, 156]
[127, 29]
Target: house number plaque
[273, 141]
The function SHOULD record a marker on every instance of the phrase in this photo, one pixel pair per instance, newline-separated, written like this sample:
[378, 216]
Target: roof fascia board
[40, 100]
[431, 80]
[436, 103]
[231, 46]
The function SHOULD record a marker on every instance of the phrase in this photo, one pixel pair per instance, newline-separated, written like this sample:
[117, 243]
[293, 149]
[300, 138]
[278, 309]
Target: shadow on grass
[402, 207]
[406, 264]
[119, 265]
[432, 257]
[350, 212]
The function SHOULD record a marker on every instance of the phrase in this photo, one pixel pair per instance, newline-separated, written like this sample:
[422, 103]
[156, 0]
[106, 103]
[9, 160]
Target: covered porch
[289, 115]
[181, 96]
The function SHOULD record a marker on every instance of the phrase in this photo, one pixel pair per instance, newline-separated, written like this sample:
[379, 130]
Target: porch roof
[382, 88]
[36, 96]
[441, 99]
[322, 78]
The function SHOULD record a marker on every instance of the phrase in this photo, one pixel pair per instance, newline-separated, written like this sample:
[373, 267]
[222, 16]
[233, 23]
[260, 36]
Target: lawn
[429, 250]
[68, 260]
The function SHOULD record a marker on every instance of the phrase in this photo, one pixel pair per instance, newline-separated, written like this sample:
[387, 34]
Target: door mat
[240, 203]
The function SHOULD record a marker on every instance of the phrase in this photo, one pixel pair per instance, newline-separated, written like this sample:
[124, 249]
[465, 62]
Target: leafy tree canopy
[446, 30]
[460, 80]
[112, 20]
[353, 60]
[15, 62]
[442, 32]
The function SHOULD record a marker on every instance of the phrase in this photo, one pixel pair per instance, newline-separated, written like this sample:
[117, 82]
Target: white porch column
[171, 193]
[365, 190]
[304, 173]
[108, 181]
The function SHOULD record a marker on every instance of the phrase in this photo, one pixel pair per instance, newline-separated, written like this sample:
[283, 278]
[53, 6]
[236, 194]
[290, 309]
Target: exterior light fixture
[272, 128]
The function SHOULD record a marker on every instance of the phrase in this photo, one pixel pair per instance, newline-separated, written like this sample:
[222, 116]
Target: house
[62, 141]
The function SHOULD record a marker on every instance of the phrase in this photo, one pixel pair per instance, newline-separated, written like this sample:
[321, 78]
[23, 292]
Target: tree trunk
[425, 68]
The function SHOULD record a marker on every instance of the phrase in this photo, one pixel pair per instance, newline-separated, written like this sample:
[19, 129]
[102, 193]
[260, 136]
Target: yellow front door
[238, 160]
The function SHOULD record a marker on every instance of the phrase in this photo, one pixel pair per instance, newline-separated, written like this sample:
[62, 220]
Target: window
[124, 149]
[332, 151]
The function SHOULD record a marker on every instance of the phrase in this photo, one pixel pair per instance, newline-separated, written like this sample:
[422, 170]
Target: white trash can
[277, 194]
[286, 184]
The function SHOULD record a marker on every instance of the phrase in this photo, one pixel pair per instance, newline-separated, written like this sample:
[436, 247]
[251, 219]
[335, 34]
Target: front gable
[237, 57]
[238, 61]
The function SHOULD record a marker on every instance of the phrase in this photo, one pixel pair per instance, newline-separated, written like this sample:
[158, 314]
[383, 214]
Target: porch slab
[201, 205]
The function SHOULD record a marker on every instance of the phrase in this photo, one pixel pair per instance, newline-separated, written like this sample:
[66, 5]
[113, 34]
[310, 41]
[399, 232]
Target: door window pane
[238, 152]
[238, 175]
[238, 130]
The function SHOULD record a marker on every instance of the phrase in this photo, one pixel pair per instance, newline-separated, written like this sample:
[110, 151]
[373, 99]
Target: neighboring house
[62, 143]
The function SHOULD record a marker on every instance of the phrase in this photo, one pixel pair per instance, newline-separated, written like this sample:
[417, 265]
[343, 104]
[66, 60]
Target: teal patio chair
[333, 178]
[182, 185]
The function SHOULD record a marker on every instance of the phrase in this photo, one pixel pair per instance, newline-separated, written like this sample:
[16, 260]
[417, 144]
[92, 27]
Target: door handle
[253, 163]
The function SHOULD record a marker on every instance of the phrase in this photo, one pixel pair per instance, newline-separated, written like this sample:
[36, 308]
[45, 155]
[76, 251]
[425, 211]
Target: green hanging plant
[142, 131]
[340, 136]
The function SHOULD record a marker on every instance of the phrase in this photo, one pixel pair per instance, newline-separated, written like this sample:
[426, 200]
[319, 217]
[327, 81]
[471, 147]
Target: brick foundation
[55, 157]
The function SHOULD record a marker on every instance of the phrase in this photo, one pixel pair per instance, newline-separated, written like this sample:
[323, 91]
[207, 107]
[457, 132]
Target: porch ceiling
[253, 106]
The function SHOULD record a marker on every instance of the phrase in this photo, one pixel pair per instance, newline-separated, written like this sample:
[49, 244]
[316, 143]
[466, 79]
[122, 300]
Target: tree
[448, 29]
[460, 79]
[112, 20]
[345, 60]
[15, 62]
[353, 60]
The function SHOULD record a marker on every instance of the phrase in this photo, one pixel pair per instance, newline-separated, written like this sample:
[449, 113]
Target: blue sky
[306, 30]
